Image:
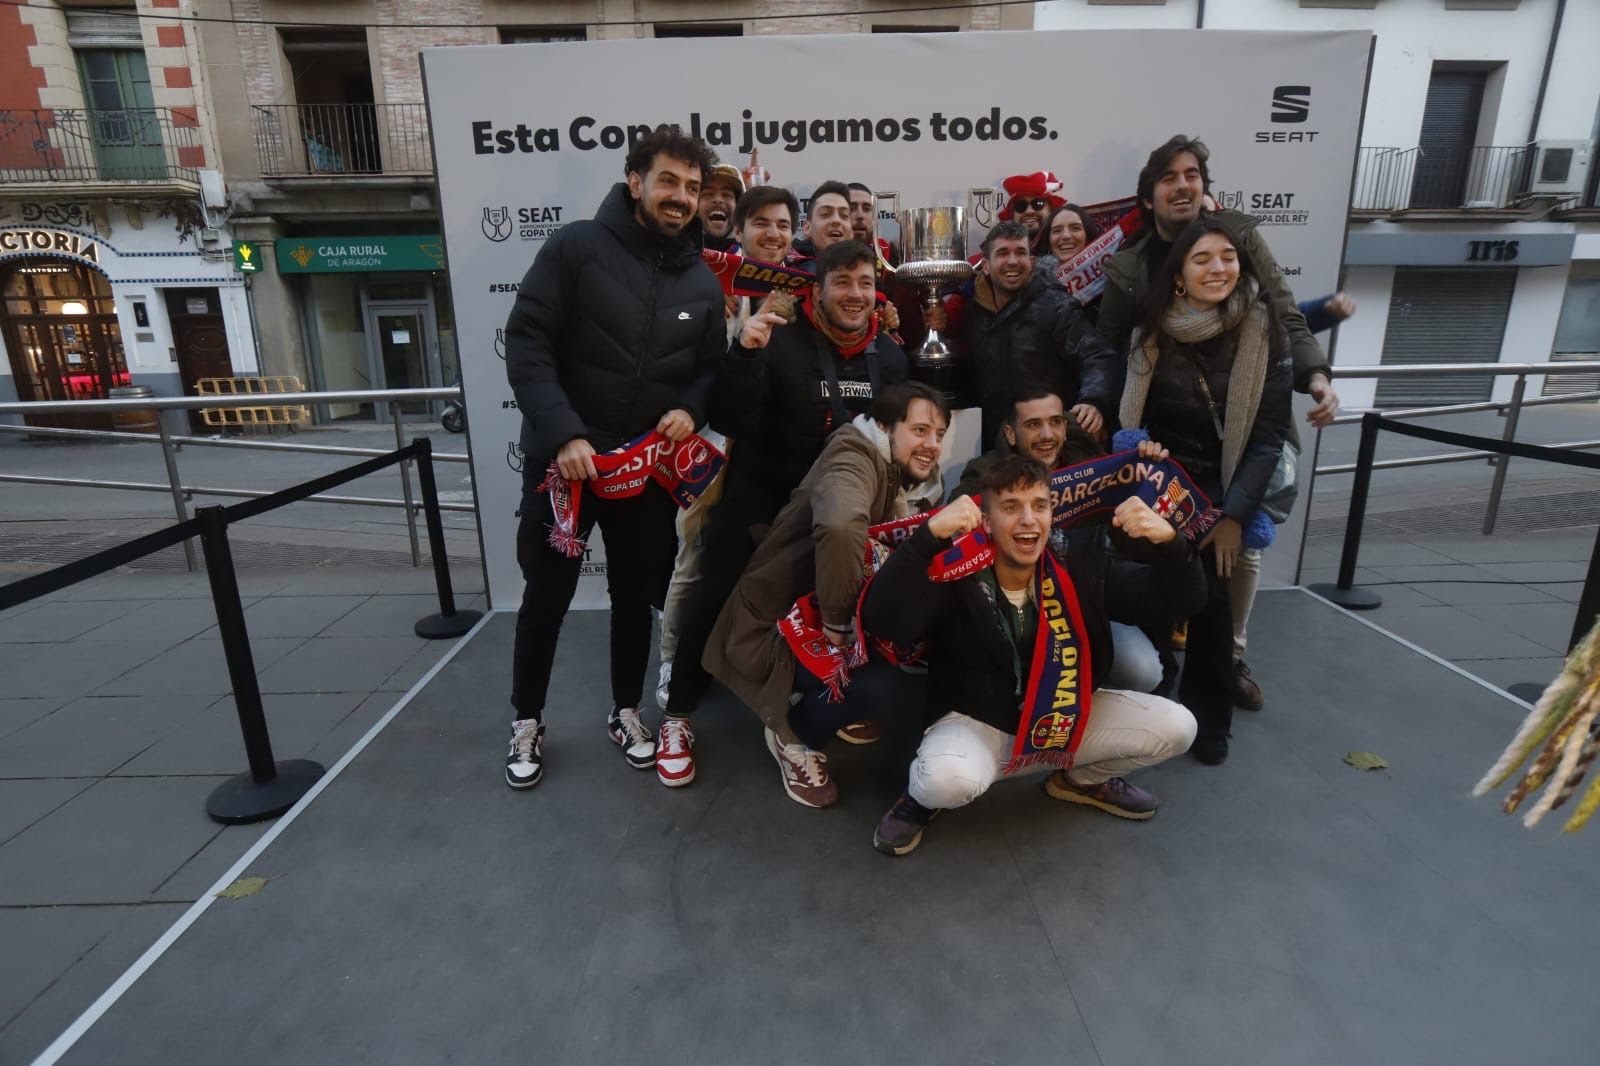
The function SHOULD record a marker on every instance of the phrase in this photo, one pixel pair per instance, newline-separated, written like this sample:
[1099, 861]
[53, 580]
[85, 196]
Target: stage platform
[1281, 909]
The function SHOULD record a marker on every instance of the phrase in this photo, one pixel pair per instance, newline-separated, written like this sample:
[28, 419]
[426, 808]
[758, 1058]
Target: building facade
[1474, 232]
[116, 261]
[330, 170]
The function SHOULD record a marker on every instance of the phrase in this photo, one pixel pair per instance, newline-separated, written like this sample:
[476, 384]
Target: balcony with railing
[1483, 178]
[152, 148]
[342, 140]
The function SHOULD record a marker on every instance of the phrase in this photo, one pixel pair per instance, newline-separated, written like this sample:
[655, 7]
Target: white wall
[1361, 337]
[1531, 323]
[1411, 36]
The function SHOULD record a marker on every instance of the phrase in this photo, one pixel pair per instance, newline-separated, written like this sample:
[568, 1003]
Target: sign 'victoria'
[48, 242]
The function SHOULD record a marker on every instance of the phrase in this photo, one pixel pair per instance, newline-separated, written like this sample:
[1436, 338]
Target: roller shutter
[1444, 316]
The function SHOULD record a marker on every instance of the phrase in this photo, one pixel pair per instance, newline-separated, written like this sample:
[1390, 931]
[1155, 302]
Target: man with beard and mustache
[616, 331]
[1173, 191]
[880, 467]
[1038, 427]
[718, 196]
[1020, 328]
[1031, 200]
[983, 635]
[782, 391]
[864, 220]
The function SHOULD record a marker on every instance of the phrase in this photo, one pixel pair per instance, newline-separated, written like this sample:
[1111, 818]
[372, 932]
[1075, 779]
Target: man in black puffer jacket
[984, 632]
[616, 331]
[1022, 329]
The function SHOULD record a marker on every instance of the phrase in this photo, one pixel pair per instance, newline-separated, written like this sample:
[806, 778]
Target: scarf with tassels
[1243, 312]
[850, 344]
[685, 469]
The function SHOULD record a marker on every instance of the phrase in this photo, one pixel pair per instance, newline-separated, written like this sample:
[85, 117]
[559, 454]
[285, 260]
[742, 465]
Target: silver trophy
[933, 250]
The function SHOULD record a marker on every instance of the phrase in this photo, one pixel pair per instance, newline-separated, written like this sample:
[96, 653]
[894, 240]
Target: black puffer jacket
[1041, 335]
[613, 327]
[971, 668]
[778, 403]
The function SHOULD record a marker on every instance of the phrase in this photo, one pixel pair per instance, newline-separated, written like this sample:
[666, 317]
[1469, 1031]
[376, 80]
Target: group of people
[825, 576]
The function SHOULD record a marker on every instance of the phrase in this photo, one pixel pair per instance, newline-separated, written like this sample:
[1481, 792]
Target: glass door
[404, 354]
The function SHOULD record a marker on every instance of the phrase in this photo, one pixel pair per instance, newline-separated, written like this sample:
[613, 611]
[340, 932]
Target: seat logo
[1291, 103]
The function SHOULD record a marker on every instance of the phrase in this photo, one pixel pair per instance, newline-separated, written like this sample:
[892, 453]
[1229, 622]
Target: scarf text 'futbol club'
[684, 469]
[1057, 693]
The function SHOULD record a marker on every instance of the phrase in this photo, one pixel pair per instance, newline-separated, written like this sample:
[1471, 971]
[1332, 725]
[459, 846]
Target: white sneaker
[525, 760]
[629, 733]
[661, 685]
[675, 753]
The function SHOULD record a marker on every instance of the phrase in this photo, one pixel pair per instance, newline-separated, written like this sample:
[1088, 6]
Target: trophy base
[945, 375]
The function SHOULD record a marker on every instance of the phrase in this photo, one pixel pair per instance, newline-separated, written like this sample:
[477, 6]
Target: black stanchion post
[1344, 593]
[1588, 599]
[449, 622]
[269, 788]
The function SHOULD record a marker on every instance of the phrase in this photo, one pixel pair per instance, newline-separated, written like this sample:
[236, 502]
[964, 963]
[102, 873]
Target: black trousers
[878, 692]
[641, 542]
[726, 548]
[1206, 687]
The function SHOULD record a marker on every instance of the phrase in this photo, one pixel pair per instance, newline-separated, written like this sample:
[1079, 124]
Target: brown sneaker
[1246, 693]
[860, 733]
[805, 773]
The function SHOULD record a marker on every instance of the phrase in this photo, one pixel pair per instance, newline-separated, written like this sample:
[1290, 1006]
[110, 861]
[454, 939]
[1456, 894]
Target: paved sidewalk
[116, 722]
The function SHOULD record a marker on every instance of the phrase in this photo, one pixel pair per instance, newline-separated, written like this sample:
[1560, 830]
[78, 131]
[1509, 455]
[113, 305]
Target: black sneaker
[900, 830]
[629, 733]
[525, 760]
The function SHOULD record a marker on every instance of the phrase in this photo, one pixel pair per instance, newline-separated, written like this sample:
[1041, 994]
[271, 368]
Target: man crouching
[1012, 652]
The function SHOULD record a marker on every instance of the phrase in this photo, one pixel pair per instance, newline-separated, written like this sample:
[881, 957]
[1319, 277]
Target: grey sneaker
[630, 734]
[1115, 796]
[900, 830]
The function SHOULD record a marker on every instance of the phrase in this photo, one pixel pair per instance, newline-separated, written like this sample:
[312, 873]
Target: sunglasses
[1022, 203]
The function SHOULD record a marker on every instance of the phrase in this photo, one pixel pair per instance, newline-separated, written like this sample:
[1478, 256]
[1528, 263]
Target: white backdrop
[529, 137]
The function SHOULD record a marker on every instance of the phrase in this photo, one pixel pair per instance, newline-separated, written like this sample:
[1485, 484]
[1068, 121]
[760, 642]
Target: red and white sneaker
[675, 752]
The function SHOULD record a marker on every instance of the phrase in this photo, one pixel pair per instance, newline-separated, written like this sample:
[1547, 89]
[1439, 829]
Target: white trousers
[1242, 593]
[960, 757]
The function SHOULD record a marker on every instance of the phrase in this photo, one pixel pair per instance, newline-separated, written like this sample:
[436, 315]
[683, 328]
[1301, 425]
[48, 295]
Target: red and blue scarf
[685, 469]
[741, 276]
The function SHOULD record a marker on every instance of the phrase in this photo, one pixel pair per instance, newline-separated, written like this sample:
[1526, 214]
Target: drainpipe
[1200, 17]
[1544, 77]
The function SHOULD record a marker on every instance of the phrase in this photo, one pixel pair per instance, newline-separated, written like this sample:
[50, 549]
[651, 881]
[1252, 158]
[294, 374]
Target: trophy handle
[894, 201]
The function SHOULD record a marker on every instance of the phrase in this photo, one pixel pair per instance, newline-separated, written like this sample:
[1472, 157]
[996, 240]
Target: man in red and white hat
[1031, 200]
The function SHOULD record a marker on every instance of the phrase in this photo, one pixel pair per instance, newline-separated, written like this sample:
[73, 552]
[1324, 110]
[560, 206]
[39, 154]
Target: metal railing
[171, 443]
[1411, 179]
[1510, 410]
[146, 144]
[335, 140]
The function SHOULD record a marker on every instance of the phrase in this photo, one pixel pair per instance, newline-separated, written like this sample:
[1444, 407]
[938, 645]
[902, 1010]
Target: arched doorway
[61, 333]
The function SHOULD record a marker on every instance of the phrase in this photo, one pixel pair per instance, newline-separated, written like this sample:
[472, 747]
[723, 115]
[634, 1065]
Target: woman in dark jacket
[1209, 376]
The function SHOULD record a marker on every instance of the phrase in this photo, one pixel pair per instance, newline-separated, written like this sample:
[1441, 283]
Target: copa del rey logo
[496, 224]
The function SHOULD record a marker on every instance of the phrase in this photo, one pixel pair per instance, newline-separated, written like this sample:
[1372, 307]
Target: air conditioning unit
[1560, 168]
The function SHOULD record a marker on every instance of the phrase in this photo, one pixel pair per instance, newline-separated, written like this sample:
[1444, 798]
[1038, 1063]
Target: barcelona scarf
[740, 276]
[1059, 686]
[685, 469]
[1077, 492]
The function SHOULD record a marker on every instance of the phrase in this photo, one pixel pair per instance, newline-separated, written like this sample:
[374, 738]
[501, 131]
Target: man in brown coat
[875, 469]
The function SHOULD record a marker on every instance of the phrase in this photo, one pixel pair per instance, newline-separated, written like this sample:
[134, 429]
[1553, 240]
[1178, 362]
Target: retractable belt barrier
[1345, 593]
[269, 787]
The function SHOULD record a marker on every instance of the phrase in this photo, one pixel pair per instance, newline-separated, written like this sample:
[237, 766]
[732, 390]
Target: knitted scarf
[1246, 381]
[850, 345]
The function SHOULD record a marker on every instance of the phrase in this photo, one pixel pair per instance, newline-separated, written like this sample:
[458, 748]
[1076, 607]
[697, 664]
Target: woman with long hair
[1069, 231]
[1209, 376]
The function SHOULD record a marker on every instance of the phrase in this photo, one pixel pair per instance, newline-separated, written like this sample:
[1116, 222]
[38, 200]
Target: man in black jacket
[616, 331]
[1022, 328]
[782, 391]
[982, 635]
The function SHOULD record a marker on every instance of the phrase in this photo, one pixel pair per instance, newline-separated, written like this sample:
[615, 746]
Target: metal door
[403, 345]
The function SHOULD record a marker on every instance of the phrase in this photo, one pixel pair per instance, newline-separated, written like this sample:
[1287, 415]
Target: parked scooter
[454, 416]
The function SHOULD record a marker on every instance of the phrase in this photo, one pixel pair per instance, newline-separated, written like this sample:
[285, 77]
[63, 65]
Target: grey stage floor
[1282, 909]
